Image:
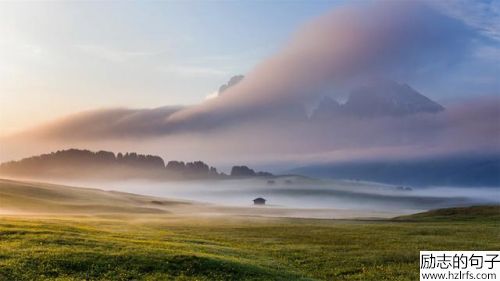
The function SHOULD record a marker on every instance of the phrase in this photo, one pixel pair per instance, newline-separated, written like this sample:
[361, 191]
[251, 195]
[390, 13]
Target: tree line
[83, 160]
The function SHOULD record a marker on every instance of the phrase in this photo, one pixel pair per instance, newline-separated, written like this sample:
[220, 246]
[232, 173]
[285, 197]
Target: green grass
[43, 198]
[474, 213]
[65, 233]
[159, 247]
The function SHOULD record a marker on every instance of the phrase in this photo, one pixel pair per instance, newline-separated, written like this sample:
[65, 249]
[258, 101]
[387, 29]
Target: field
[163, 246]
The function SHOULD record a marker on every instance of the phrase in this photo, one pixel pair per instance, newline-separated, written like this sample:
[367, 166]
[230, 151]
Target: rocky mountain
[233, 81]
[381, 98]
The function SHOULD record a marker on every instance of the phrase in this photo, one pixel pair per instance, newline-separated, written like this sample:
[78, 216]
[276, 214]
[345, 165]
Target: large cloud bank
[261, 116]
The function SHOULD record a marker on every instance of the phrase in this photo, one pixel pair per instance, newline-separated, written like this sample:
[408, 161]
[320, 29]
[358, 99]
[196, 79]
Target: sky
[59, 57]
[135, 76]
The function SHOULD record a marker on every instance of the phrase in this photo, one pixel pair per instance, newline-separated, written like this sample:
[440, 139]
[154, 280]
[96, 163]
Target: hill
[480, 213]
[41, 198]
[105, 165]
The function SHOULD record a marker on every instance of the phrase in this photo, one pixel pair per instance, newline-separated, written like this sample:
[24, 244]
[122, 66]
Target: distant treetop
[105, 164]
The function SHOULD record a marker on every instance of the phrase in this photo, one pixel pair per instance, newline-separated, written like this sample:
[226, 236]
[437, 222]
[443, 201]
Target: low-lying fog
[299, 193]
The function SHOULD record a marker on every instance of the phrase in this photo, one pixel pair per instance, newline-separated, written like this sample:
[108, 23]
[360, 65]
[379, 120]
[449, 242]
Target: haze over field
[389, 103]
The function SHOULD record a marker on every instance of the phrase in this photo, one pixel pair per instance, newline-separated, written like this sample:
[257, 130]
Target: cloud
[262, 117]
[212, 95]
[464, 127]
[233, 81]
[104, 124]
[348, 45]
[481, 15]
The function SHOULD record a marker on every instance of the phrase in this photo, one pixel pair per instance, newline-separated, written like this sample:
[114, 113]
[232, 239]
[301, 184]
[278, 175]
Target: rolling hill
[41, 198]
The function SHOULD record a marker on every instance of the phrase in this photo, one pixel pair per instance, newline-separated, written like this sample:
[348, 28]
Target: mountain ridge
[381, 98]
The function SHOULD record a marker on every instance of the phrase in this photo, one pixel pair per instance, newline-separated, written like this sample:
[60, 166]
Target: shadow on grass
[136, 266]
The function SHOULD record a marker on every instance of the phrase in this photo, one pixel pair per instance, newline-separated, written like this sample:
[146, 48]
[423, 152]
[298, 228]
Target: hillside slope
[202, 249]
[473, 213]
[27, 197]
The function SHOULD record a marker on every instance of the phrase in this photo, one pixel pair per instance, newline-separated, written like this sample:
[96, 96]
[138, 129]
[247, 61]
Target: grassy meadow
[164, 246]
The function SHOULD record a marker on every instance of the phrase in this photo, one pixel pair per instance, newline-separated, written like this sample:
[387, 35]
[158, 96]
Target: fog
[305, 196]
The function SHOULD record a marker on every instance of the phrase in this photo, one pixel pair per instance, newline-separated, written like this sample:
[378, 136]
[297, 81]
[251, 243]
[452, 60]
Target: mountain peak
[233, 81]
[389, 98]
[379, 98]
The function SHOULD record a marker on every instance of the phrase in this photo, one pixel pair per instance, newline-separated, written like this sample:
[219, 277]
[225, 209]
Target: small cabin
[259, 201]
